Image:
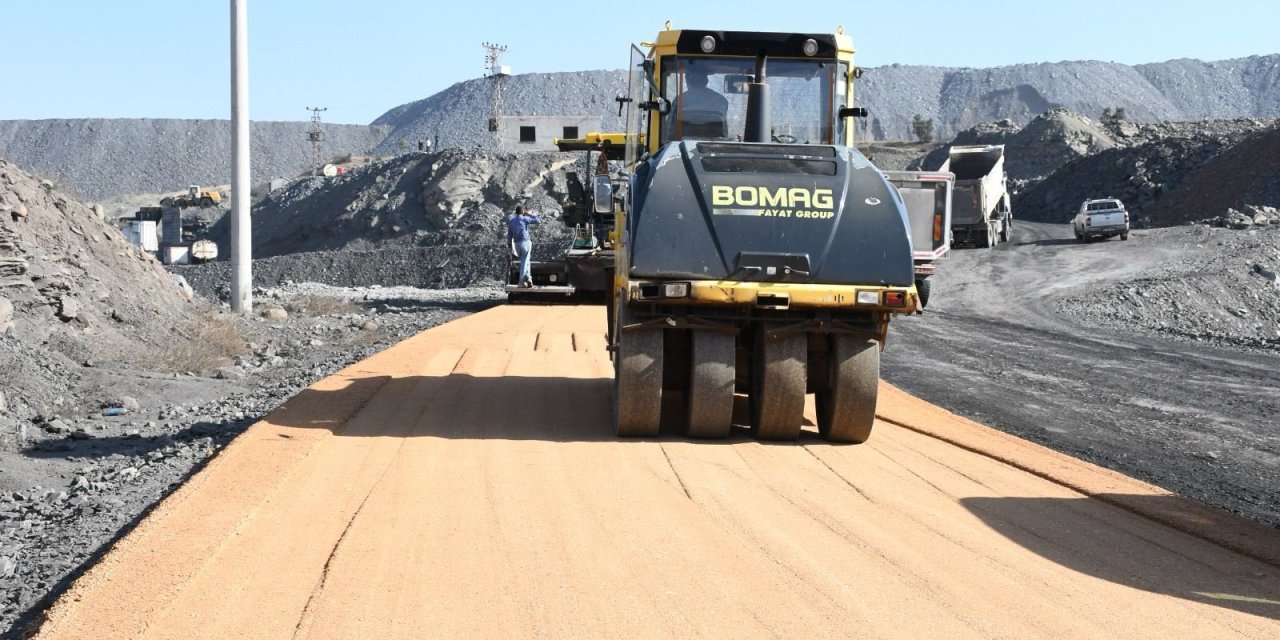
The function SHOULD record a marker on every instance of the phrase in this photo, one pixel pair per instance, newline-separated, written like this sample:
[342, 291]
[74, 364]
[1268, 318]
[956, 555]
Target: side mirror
[853, 112]
[736, 83]
[602, 192]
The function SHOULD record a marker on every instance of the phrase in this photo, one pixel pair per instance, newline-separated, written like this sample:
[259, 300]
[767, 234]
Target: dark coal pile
[418, 199]
[446, 266]
[102, 158]
[1227, 296]
[1150, 163]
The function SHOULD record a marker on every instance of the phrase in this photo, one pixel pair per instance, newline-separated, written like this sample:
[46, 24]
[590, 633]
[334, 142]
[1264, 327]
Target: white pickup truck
[1101, 219]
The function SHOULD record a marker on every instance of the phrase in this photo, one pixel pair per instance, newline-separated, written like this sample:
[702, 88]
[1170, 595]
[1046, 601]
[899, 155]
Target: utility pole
[496, 72]
[316, 136]
[241, 238]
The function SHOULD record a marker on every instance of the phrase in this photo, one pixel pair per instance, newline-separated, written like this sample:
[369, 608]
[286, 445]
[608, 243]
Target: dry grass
[205, 341]
[313, 305]
[364, 337]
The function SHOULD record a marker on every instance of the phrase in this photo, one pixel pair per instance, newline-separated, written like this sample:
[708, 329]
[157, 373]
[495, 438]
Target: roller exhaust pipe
[758, 118]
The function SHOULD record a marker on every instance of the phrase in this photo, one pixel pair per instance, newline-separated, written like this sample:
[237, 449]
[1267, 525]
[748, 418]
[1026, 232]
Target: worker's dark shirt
[518, 226]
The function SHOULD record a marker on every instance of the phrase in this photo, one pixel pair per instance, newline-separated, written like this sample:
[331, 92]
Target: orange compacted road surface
[466, 483]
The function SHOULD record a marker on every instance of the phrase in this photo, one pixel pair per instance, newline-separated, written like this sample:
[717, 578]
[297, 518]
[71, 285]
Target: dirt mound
[1227, 296]
[72, 290]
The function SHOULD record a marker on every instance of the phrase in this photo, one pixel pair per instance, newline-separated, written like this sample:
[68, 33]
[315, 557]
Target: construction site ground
[466, 482]
[1195, 415]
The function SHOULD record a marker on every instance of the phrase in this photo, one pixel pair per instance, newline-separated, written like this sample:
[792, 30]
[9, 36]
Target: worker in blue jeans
[521, 241]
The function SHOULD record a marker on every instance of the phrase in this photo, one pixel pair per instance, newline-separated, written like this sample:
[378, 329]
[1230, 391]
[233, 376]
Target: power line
[497, 73]
[316, 135]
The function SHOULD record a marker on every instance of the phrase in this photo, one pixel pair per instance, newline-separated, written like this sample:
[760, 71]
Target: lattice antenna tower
[316, 135]
[496, 72]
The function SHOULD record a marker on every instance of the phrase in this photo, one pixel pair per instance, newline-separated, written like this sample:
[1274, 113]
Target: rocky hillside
[73, 293]
[956, 99]
[1244, 175]
[100, 158]
[1166, 174]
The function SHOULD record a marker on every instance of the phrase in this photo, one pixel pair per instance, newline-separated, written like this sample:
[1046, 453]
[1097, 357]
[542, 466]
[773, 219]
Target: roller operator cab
[760, 255]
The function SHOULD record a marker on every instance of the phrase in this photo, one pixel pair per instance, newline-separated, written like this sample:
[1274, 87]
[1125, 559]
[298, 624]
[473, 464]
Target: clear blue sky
[170, 58]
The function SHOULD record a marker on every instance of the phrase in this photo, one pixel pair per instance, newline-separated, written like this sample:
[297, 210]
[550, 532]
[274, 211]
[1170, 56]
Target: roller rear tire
[847, 406]
[711, 379]
[637, 398]
[778, 381]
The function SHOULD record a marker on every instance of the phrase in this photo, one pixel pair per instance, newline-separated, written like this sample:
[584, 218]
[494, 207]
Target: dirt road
[465, 484]
[1196, 419]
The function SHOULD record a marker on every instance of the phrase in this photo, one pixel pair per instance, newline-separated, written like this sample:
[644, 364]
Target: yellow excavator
[758, 256]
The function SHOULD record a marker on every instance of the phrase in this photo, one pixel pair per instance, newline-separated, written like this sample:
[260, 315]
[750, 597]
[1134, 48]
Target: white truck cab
[1101, 218]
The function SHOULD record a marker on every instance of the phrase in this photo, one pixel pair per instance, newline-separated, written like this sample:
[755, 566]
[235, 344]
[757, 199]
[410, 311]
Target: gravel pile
[1228, 296]
[1252, 216]
[102, 158]
[956, 99]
